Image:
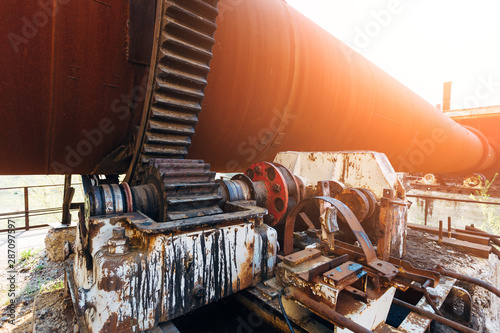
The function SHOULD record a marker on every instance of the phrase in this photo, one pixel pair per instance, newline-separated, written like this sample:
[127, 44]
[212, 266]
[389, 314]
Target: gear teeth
[189, 189]
[183, 62]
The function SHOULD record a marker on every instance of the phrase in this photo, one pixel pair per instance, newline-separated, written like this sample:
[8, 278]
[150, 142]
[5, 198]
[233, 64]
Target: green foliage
[42, 285]
[27, 254]
[31, 288]
[51, 286]
[38, 268]
[491, 218]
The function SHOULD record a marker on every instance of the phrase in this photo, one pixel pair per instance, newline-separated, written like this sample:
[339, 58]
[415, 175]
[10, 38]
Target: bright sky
[422, 43]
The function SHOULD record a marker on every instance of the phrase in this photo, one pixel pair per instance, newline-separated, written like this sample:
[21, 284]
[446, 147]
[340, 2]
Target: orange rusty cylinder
[70, 97]
[279, 82]
[485, 119]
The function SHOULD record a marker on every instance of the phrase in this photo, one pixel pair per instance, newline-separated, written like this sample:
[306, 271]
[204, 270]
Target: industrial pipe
[442, 320]
[443, 271]
[75, 91]
[284, 84]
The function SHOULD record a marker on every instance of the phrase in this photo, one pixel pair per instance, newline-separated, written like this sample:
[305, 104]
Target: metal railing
[27, 212]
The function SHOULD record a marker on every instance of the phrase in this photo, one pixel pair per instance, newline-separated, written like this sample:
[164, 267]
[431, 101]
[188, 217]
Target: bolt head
[276, 187]
[119, 232]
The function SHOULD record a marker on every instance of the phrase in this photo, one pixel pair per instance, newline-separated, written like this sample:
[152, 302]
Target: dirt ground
[42, 306]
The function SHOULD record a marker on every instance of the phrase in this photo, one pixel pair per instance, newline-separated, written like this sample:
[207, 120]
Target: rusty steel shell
[73, 89]
[71, 94]
[286, 84]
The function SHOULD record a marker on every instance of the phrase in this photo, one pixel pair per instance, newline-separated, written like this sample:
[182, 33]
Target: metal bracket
[69, 192]
[383, 267]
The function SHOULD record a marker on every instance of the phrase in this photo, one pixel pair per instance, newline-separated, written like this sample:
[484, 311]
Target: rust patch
[111, 282]
[137, 239]
[120, 218]
[112, 326]
[301, 256]
[246, 275]
[94, 229]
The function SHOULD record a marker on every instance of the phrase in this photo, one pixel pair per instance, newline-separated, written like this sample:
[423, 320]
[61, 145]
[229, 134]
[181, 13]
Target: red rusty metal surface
[286, 84]
[24, 107]
[65, 84]
[277, 82]
[276, 189]
[299, 257]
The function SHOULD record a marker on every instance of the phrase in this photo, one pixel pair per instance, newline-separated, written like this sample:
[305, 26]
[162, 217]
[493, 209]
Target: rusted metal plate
[405, 269]
[320, 277]
[25, 86]
[94, 80]
[234, 212]
[141, 30]
[392, 227]
[345, 274]
[321, 290]
[299, 257]
[66, 86]
[368, 314]
[478, 250]
[415, 322]
[361, 294]
[385, 328]
[313, 273]
[355, 169]
[454, 233]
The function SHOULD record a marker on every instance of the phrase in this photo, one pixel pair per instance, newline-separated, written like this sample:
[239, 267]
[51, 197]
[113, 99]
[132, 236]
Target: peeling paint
[167, 275]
